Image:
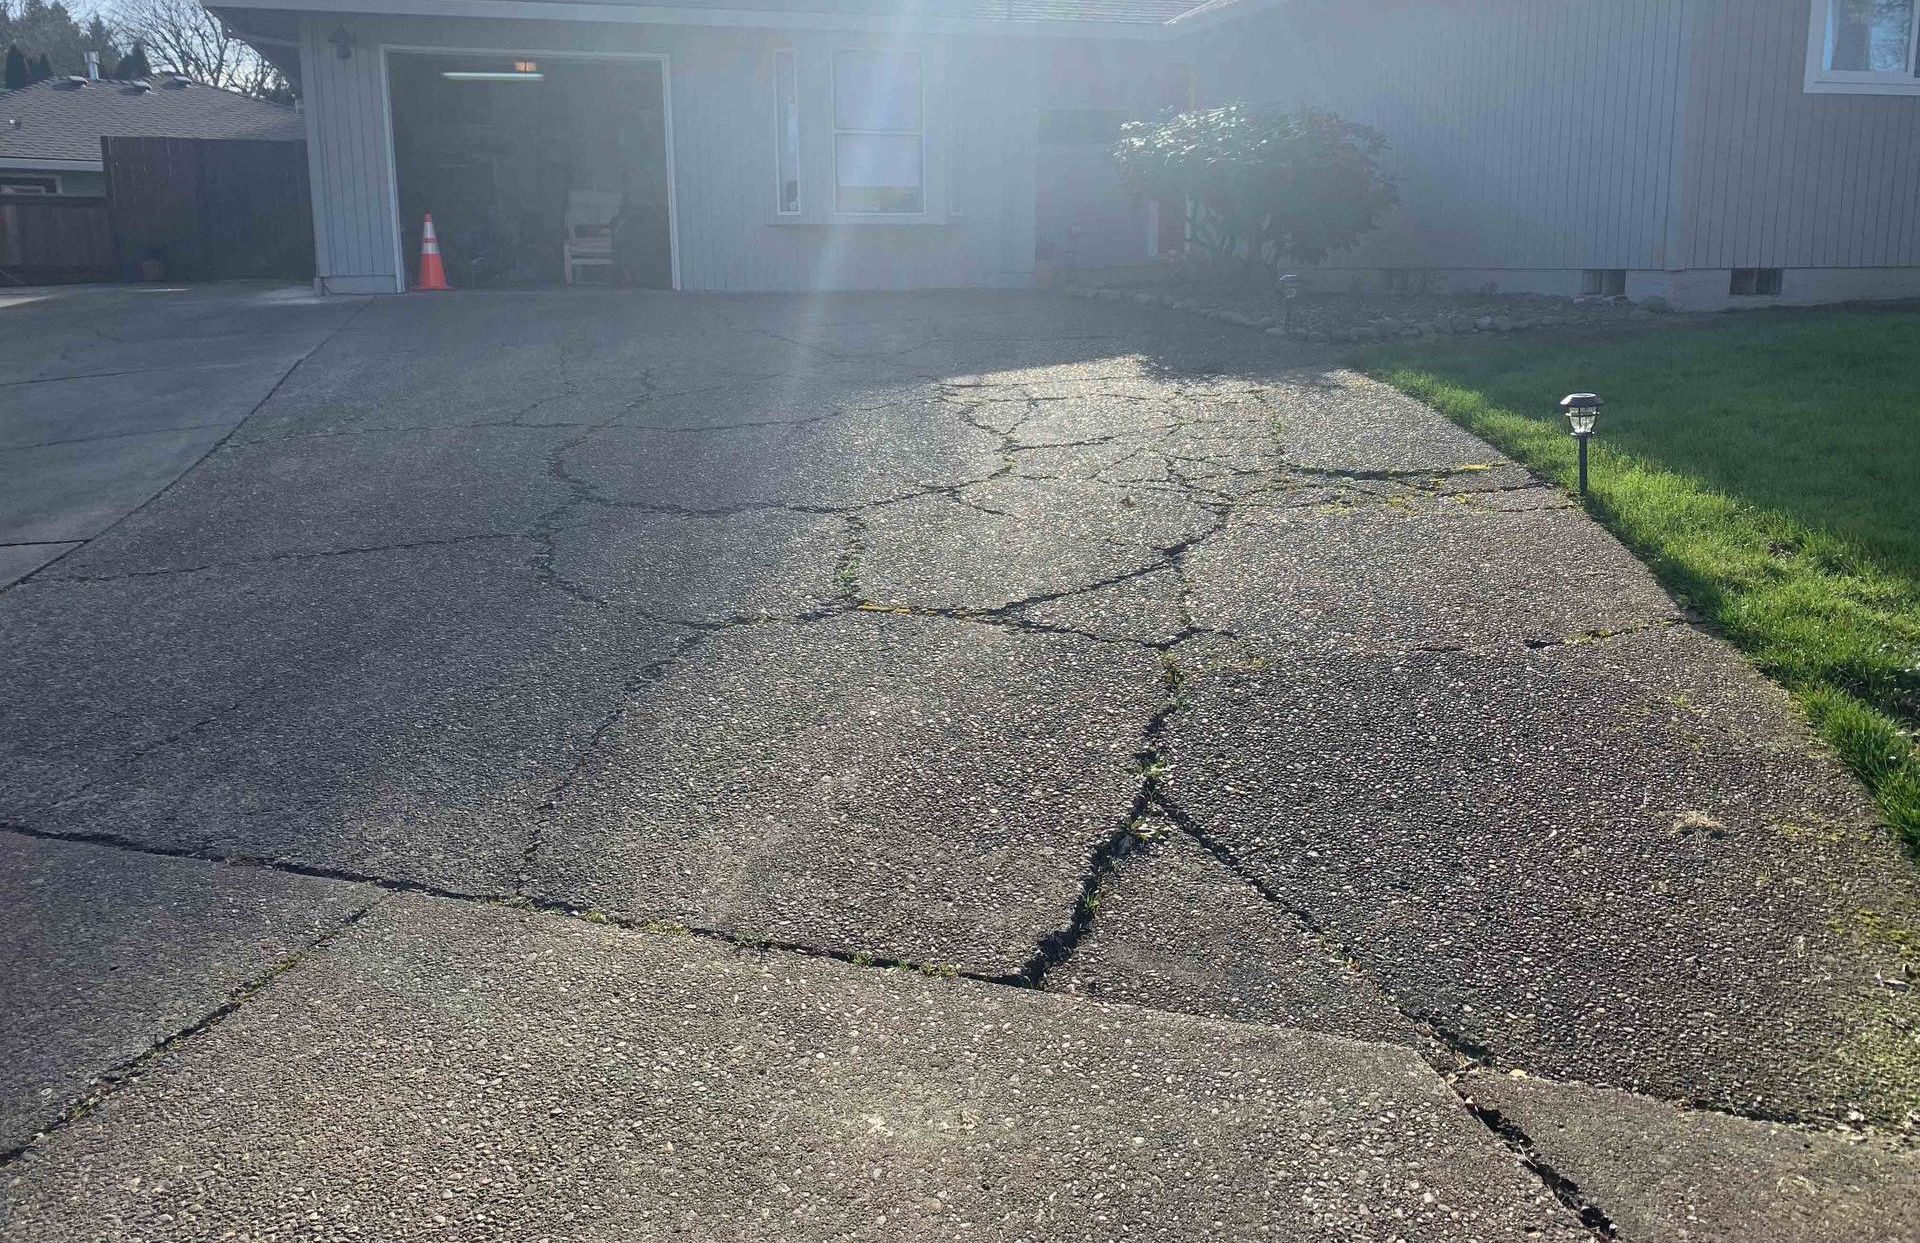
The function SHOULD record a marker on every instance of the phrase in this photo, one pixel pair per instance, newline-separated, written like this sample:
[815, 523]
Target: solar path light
[1582, 410]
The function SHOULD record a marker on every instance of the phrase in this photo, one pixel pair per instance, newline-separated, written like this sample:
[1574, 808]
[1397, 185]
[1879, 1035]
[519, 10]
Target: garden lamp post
[1288, 287]
[1581, 409]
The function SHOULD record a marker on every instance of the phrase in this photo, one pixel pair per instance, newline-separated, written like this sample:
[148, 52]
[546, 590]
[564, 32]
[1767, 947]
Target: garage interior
[538, 170]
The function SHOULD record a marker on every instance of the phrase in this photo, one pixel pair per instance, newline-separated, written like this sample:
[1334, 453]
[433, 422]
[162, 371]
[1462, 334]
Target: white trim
[666, 123]
[780, 210]
[393, 174]
[839, 214]
[662, 15]
[31, 164]
[1821, 80]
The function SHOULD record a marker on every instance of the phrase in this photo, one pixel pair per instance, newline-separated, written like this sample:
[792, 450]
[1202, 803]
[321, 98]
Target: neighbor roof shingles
[60, 120]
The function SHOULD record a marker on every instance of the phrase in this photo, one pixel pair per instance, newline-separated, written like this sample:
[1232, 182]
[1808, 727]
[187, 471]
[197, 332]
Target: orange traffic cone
[432, 274]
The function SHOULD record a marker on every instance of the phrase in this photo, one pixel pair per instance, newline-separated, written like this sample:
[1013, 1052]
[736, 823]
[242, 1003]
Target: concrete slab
[909, 787]
[862, 458]
[133, 402]
[1008, 540]
[107, 954]
[1420, 571]
[1663, 1174]
[1335, 420]
[76, 490]
[1147, 608]
[1176, 930]
[327, 494]
[396, 714]
[19, 560]
[75, 331]
[1623, 862]
[705, 569]
[450, 1070]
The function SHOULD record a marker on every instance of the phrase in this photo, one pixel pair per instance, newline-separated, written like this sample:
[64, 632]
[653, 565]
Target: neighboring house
[50, 131]
[1706, 151]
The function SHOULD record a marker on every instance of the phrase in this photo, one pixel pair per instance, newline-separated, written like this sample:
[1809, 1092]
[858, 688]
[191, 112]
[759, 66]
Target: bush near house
[1264, 189]
[1765, 467]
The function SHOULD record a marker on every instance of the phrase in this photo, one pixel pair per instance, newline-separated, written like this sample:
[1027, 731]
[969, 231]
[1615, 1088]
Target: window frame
[833, 103]
[30, 185]
[780, 209]
[1824, 81]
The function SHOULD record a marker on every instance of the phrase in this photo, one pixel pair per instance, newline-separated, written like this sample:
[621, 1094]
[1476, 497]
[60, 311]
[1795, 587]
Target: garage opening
[537, 169]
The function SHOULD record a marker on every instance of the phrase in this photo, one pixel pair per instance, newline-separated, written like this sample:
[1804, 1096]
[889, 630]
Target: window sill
[1891, 84]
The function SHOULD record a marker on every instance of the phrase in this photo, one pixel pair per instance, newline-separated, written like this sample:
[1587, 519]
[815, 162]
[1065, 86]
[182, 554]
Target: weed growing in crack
[1174, 679]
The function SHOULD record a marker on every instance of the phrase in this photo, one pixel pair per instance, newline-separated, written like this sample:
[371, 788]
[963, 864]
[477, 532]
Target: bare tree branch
[183, 38]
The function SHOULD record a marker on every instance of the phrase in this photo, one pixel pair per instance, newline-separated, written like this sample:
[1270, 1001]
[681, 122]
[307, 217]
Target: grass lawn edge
[1872, 744]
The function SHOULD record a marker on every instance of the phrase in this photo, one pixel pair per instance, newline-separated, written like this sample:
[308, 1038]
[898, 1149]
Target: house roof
[62, 121]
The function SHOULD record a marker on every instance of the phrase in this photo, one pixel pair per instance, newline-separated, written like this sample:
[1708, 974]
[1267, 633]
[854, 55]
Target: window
[29, 185]
[786, 122]
[1755, 283]
[879, 139]
[1864, 47]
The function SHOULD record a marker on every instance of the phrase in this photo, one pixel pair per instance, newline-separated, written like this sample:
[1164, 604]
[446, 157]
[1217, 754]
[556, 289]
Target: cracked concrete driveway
[602, 765]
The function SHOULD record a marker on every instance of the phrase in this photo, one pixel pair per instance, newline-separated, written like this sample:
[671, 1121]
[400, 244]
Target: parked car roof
[65, 118]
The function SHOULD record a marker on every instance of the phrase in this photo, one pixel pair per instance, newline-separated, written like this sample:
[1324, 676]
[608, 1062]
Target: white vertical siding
[1784, 178]
[347, 161]
[1544, 134]
[1524, 133]
[981, 98]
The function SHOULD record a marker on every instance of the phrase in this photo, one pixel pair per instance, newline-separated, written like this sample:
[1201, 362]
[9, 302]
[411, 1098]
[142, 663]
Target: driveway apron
[908, 767]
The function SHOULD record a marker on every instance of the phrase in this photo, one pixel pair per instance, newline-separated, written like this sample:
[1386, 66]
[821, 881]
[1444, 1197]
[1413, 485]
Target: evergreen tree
[16, 74]
[47, 32]
[134, 66]
[42, 68]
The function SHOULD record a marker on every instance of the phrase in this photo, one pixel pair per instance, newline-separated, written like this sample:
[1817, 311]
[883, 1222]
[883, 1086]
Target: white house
[1708, 151]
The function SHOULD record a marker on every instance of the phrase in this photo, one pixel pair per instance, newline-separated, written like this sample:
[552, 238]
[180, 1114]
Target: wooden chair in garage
[589, 225]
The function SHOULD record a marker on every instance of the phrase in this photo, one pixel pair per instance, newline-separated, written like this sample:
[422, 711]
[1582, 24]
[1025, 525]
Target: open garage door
[537, 169]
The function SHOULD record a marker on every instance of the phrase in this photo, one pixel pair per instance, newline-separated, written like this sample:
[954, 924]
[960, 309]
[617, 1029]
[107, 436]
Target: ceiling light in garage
[491, 75]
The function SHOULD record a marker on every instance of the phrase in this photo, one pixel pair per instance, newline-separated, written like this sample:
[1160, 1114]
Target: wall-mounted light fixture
[342, 40]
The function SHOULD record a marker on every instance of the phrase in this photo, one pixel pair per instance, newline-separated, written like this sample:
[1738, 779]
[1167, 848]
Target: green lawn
[1767, 466]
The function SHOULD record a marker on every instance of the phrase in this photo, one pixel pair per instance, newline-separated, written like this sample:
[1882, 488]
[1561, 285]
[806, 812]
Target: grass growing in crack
[1763, 466]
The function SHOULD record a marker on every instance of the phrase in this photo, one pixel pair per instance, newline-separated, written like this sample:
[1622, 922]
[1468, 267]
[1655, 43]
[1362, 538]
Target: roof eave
[668, 15]
[47, 164]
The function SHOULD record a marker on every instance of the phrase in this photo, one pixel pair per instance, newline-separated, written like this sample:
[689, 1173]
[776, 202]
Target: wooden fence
[210, 210]
[53, 241]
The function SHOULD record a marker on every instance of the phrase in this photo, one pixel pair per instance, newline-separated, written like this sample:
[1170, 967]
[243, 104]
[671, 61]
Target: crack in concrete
[110, 1081]
[296, 555]
[1564, 1189]
[212, 449]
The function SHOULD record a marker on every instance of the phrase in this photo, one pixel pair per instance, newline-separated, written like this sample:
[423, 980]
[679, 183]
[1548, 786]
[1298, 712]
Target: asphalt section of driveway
[448, 1071]
[1078, 651]
[108, 395]
[111, 954]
